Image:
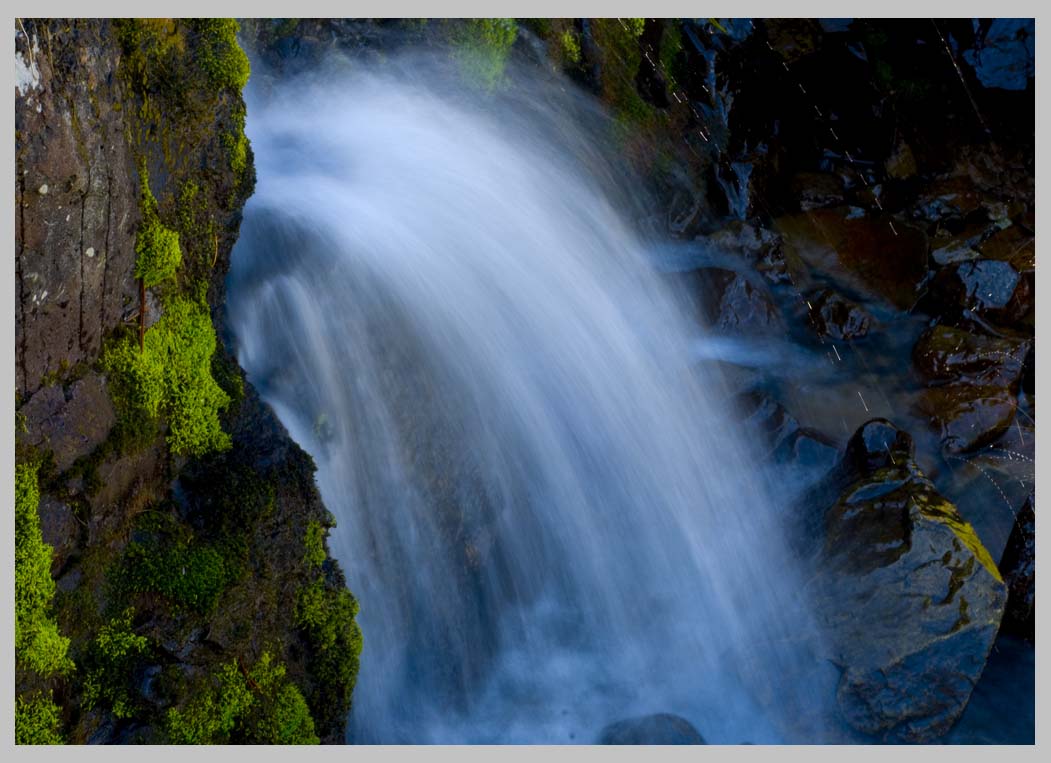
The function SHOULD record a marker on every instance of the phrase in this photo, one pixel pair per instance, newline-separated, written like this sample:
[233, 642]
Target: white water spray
[545, 507]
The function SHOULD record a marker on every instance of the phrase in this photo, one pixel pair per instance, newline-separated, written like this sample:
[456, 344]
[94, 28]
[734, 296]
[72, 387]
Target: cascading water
[544, 506]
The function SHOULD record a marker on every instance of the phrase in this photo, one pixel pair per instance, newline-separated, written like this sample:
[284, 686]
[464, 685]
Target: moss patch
[39, 646]
[38, 720]
[171, 377]
[157, 253]
[111, 662]
[240, 706]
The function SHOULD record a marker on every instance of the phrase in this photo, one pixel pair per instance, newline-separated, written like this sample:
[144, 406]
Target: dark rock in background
[1018, 567]
[834, 316]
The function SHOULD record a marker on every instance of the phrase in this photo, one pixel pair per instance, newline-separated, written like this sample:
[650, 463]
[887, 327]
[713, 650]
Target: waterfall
[545, 506]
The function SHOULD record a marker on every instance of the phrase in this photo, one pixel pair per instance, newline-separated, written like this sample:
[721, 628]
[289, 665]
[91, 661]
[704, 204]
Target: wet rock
[737, 305]
[877, 444]
[952, 197]
[816, 190]
[70, 424]
[761, 247]
[768, 419]
[910, 597]
[865, 256]
[991, 288]
[834, 316]
[785, 440]
[1018, 566]
[968, 416]
[1004, 53]
[661, 728]
[961, 247]
[1014, 244]
[945, 353]
[808, 448]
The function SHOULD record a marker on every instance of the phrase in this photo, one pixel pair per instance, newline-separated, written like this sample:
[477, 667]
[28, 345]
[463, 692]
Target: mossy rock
[910, 598]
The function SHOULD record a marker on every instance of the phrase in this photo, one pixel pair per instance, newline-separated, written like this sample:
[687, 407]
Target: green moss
[172, 377]
[37, 720]
[670, 53]
[278, 713]
[257, 706]
[482, 47]
[326, 615]
[38, 644]
[190, 575]
[236, 144]
[570, 47]
[111, 662]
[315, 544]
[157, 253]
[618, 39]
[212, 713]
[218, 53]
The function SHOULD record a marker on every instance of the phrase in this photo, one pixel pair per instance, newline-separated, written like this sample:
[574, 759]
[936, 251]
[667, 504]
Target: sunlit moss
[38, 644]
[257, 706]
[157, 252]
[172, 377]
[218, 53]
[570, 47]
[315, 544]
[37, 720]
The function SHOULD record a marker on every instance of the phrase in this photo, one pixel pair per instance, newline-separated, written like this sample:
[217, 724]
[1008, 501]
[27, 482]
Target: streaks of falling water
[546, 512]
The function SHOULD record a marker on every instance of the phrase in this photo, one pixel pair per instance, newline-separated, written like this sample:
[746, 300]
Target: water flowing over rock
[550, 521]
[911, 599]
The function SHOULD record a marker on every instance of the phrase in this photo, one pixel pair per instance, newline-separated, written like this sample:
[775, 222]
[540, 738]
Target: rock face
[71, 423]
[911, 599]
[661, 728]
[1018, 567]
[76, 199]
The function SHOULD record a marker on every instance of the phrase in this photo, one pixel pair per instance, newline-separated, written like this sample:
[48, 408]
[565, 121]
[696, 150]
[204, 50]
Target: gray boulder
[909, 596]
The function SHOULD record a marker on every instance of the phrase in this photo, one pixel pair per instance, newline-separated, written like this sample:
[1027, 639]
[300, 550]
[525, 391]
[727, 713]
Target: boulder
[944, 353]
[993, 289]
[1018, 566]
[910, 599]
[880, 260]
[979, 377]
[661, 728]
[968, 416]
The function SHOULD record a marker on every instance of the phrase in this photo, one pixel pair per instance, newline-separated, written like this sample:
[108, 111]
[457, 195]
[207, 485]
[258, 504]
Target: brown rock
[864, 255]
[969, 416]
